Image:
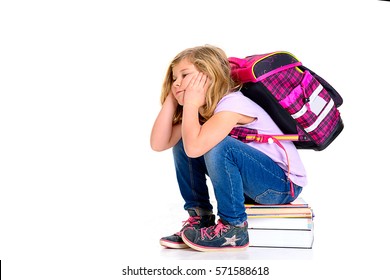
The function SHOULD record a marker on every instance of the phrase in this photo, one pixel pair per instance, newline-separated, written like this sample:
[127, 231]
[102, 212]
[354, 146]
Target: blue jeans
[239, 174]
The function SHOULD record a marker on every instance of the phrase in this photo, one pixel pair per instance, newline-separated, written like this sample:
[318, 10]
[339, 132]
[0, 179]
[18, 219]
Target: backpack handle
[241, 70]
[238, 61]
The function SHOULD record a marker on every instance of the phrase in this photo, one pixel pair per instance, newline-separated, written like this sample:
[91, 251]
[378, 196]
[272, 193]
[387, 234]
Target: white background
[81, 193]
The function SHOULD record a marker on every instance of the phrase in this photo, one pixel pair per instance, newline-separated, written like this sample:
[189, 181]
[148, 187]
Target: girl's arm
[164, 135]
[199, 139]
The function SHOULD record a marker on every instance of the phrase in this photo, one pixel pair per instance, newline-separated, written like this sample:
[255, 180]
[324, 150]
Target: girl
[200, 106]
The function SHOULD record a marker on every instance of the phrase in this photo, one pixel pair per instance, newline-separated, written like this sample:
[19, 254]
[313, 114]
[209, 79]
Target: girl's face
[182, 73]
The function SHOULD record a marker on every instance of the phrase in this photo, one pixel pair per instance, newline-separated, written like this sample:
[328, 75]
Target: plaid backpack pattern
[300, 102]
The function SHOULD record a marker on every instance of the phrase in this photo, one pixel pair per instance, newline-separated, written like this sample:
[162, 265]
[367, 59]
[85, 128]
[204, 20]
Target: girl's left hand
[195, 92]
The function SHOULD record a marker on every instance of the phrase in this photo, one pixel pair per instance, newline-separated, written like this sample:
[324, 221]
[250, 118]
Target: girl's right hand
[164, 135]
[171, 99]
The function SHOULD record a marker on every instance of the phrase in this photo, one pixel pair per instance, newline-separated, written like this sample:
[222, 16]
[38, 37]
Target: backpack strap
[280, 69]
[247, 135]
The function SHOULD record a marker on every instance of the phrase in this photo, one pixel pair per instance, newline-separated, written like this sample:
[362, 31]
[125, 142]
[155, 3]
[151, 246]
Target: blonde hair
[211, 61]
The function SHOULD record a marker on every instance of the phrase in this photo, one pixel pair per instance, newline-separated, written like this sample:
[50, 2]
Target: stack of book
[281, 226]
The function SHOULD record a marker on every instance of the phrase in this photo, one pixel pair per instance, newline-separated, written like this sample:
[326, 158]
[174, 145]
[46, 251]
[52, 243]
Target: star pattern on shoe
[231, 241]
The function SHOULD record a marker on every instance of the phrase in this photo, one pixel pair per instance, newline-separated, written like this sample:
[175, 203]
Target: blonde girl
[200, 106]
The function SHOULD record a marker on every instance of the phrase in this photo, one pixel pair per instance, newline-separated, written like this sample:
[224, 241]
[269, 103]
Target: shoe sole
[213, 249]
[173, 245]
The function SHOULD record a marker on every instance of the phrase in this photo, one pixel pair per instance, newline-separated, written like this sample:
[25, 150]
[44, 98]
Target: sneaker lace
[213, 231]
[191, 221]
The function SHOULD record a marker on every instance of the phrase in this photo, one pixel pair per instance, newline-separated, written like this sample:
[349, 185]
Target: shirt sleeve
[238, 103]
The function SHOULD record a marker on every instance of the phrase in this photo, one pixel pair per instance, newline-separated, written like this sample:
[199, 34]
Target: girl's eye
[186, 74]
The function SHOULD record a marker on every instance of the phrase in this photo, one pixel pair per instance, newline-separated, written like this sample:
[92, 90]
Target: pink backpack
[302, 104]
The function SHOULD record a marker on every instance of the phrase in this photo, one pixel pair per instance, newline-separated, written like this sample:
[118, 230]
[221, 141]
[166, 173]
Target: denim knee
[218, 151]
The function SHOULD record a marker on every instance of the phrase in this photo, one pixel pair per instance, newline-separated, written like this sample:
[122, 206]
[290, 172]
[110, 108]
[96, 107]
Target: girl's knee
[221, 147]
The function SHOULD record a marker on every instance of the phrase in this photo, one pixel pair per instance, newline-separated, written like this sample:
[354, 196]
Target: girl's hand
[171, 99]
[195, 92]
